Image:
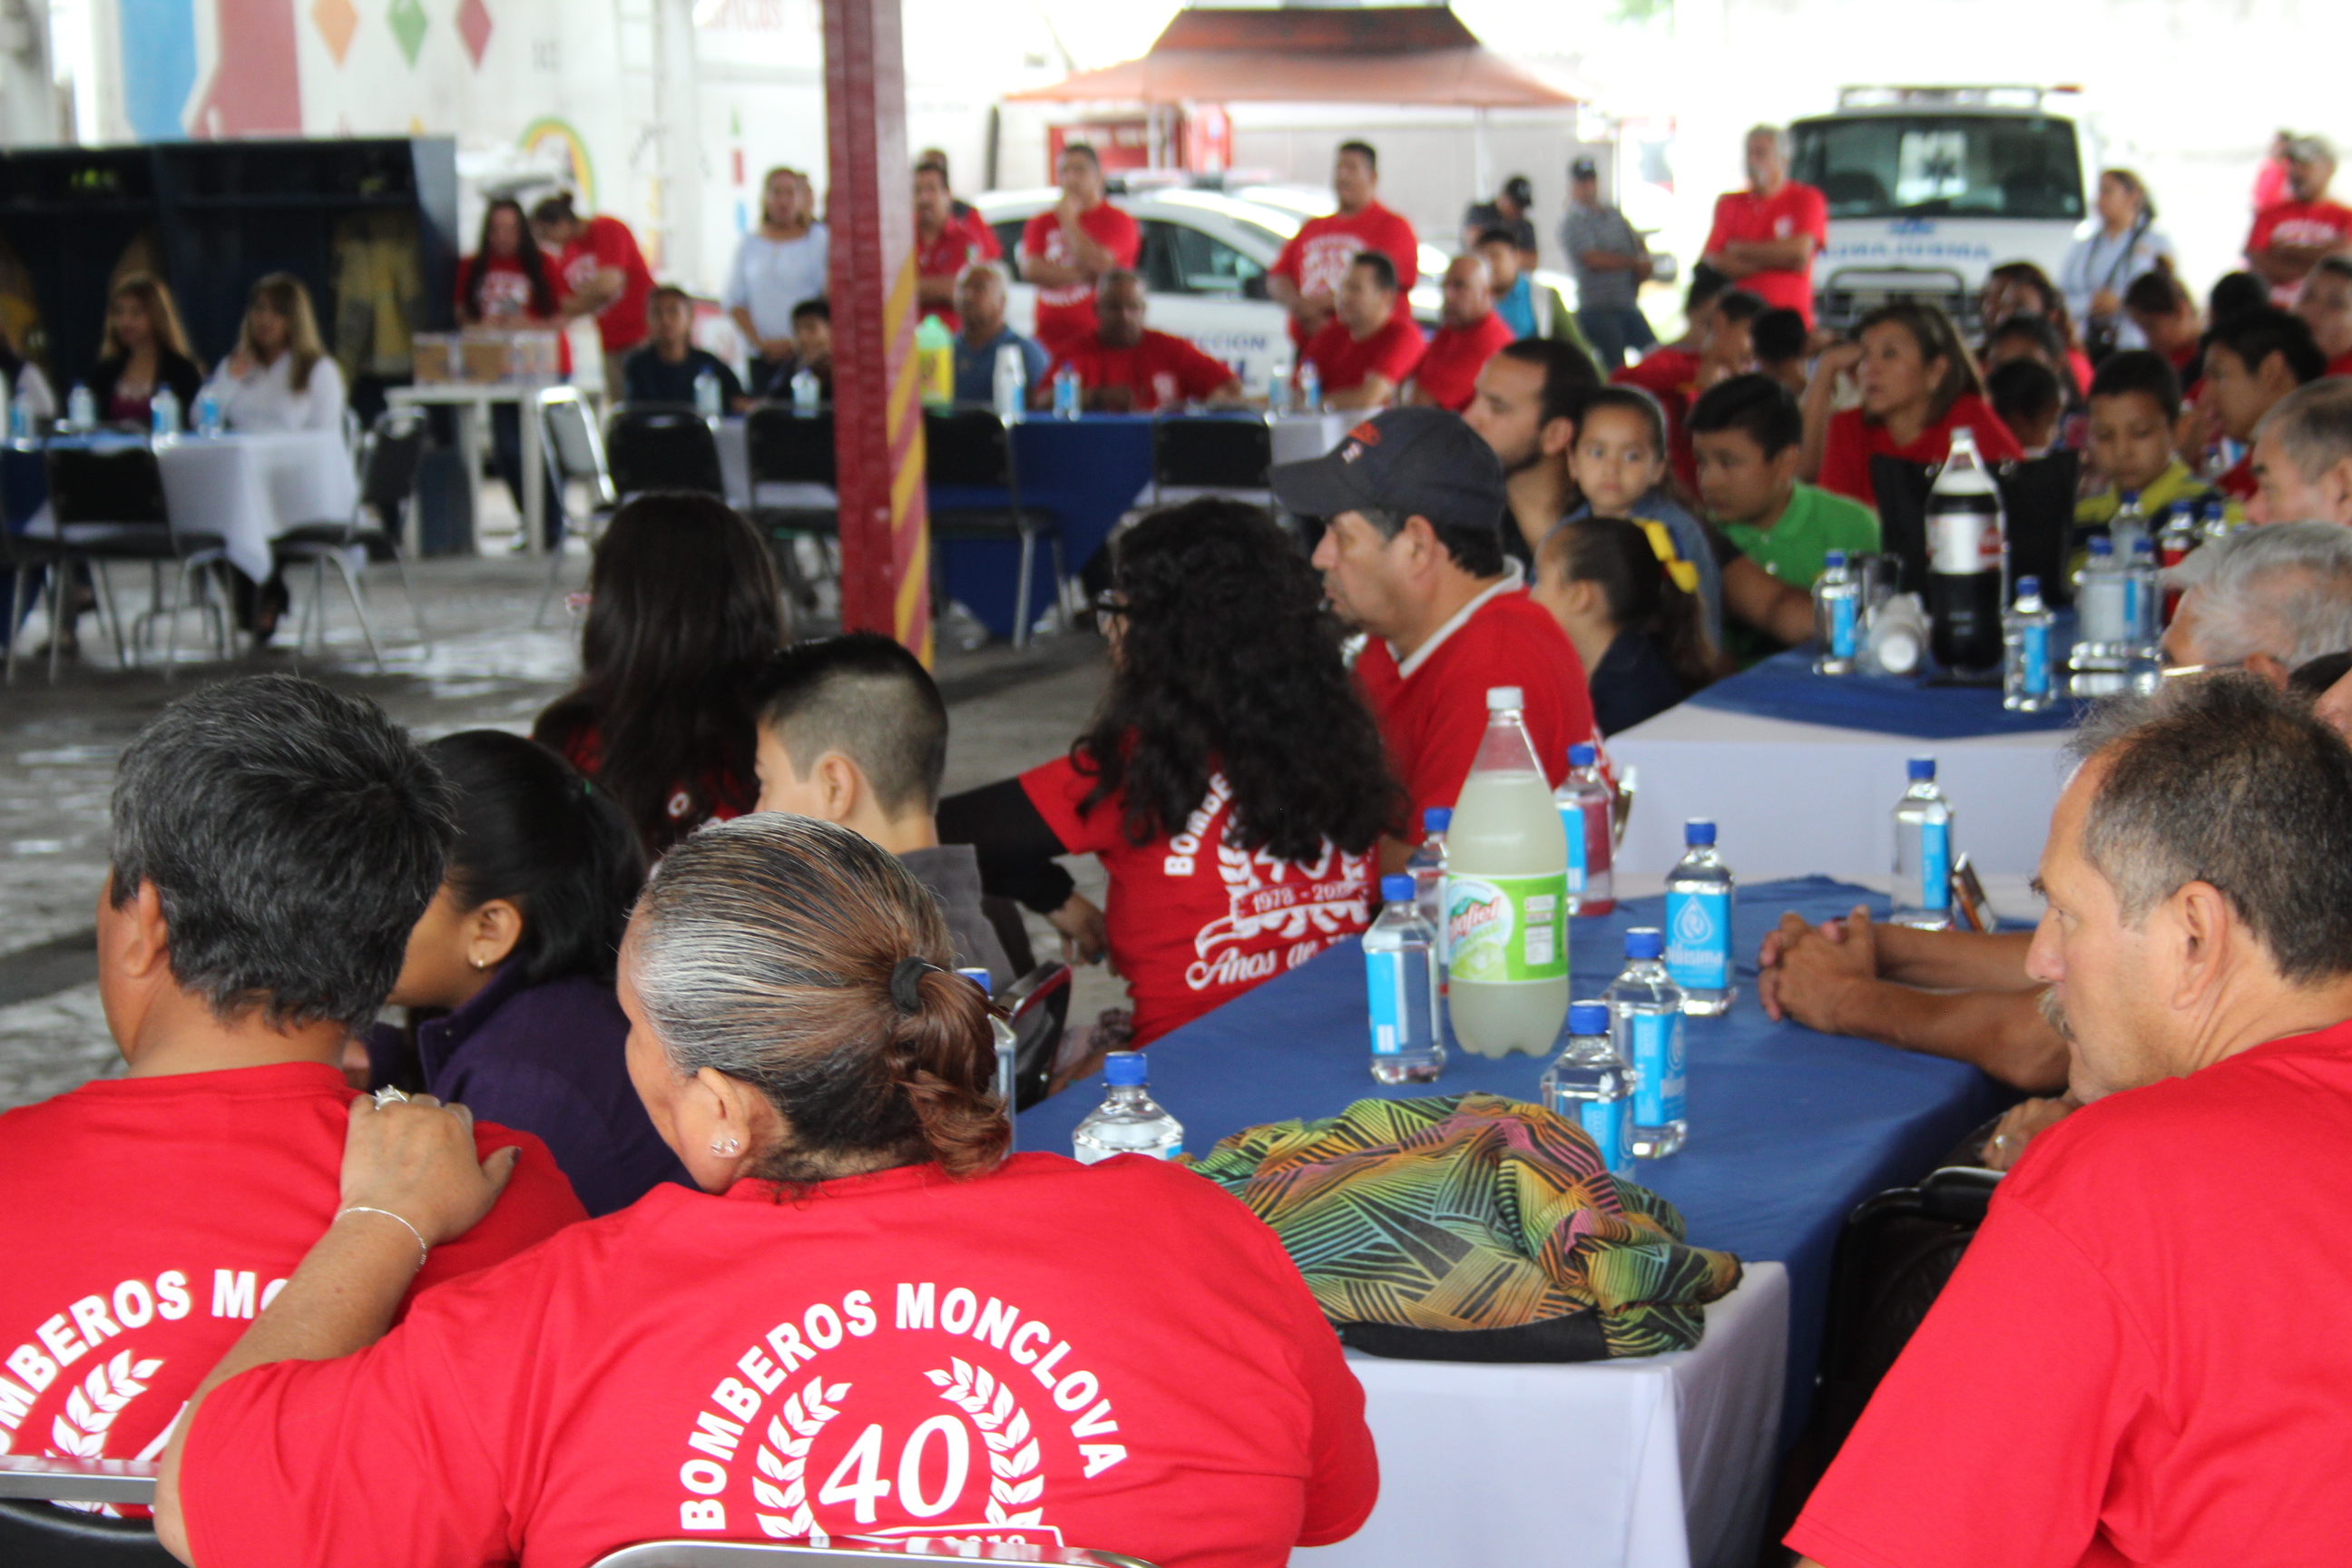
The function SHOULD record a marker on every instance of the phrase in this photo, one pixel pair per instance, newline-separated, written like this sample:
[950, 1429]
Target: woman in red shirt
[868, 1321]
[683, 611]
[508, 284]
[1919, 385]
[1233, 782]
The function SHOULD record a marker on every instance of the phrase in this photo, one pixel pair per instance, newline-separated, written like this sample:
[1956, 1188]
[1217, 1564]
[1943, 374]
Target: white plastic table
[249, 488]
[472, 400]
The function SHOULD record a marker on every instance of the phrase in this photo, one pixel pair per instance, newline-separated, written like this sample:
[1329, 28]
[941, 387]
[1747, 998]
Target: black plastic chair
[784, 447]
[1038, 1005]
[661, 447]
[572, 453]
[110, 507]
[2037, 500]
[1229, 454]
[974, 447]
[391, 454]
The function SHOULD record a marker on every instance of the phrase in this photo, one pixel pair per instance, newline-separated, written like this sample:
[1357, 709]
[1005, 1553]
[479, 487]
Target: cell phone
[1971, 909]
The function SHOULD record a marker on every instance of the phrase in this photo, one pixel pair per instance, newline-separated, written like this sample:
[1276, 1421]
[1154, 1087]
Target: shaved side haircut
[865, 696]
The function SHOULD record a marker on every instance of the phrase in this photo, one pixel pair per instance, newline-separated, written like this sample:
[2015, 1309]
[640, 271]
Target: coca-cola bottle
[1966, 546]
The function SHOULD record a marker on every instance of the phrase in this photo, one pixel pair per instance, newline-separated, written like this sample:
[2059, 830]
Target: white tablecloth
[1795, 800]
[1660, 1463]
[250, 487]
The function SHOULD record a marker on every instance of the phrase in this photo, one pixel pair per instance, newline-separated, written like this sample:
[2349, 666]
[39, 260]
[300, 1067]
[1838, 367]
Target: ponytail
[1622, 559]
[946, 1054]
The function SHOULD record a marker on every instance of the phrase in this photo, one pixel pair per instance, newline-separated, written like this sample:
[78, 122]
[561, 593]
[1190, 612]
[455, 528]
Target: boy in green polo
[1748, 435]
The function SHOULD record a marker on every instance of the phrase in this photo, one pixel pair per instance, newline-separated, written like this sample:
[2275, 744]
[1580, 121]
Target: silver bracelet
[422, 1251]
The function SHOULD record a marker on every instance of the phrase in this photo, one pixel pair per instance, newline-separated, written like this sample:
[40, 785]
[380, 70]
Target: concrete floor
[488, 667]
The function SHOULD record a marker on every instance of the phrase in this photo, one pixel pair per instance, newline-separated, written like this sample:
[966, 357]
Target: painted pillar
[877, 418]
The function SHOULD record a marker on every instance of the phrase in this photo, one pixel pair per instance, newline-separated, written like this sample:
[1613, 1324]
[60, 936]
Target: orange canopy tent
[1396, 53]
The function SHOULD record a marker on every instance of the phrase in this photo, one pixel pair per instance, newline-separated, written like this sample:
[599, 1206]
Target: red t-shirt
[2298, 222]
[1195, 920]
[1434, 718]
[2237, 481]
[2137, 1361]
[1791, 210]
[1852, 441]
[1162, 369]
[2341, 364]
[1319, 255]
[150, 1219]
[956, 246]
[897, 1353]
[505, 293]
[1066, 311]
[1449, 367]
[1393, 352]
[606, 241]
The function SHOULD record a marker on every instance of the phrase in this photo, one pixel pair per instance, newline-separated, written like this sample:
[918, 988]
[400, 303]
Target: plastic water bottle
[1646, 1017]
[1966, 546]
[2025, 684]
[1505, 895]
[1277, 390]
[2130, 524]
[808, 393]
[208, 413]
[2102, 612]
[709, 400]
[1127, 1122]
[1698, 924]
[2147, 608]
[1837, 617]
[1310, 389]
[1587, 806]
[1426, 867]
[1592, 1086]
[2213, 521]
[81, 408]
[1010, 388]
[2174, 543]
[20, 422]
[1923, 851]
[1007, 1047]
[1067, 394]
[1400, 981]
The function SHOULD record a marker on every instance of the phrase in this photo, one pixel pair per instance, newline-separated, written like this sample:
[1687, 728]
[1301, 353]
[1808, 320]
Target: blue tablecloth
[1085, 471]
[1789, 1130]
[1785, 687]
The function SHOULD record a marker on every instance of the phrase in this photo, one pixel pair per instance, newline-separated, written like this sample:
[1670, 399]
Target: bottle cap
[1921, 767]
[1436, 819]
[1581, 755]
[1397, 889]
[1587, 1017]
[2143, 545]
[1834, 558]
[2102, 545]
[1501, 697]
[2028, 587]
[1645, 941]
[1698, 831]
[1125, 1069]
[979, 977]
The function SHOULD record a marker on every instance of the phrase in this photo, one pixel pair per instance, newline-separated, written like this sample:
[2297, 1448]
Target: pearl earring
[725, 1145]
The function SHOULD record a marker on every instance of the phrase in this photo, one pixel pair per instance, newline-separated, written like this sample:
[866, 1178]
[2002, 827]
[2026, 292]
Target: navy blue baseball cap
[1411, 462]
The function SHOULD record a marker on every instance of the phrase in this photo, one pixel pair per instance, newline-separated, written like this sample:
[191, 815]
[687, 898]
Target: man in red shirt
[1765, 236]
[2251, 360]
[1366, 352]
[599, 272]
[1412, 554]
[1066, 249]
[2324, 303]
[1468, 334]
[2127, 1366]
[944, 246]
[1307, 275]
[1124, 367]
[2289, 237]
[274, 844]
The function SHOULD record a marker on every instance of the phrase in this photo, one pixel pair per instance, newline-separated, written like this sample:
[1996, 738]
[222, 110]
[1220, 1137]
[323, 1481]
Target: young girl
[1613, 592]
[1619, 462]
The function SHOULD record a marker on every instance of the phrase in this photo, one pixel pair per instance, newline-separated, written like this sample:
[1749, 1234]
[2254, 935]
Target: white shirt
[2096, 261]
[771, 276]
[263, 397]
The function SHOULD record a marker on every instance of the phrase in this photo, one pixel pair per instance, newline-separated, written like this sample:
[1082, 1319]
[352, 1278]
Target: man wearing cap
[1412, 554]
[1611, 265]
[1508, 210]
[2290, 237]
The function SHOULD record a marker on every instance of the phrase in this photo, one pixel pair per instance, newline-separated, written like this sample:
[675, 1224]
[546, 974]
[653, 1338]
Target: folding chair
[792, 455]
[572, 450]
[1195, 454]
[37, 1533]
[109, 506]
[973, 447]
[1038, 1005]
[390, 455]
[661, 447]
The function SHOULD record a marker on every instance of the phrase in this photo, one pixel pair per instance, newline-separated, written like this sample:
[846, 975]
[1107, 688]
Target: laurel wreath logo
[805, 1412]
[91, 1409]
[1004, 1428]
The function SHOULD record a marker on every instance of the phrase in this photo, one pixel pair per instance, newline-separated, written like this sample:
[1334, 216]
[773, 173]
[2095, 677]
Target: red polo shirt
[1853, 440]
[956, 246]
[1319, 254]
[1450, 364]
[606, 241]
[2298, 222]
[1791, 210]
[1393, 352]
[1162, 369]
[1066, 311]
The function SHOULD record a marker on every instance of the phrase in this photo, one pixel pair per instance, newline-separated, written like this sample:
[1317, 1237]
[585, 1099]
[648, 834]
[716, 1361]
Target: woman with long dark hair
[1233, 780]
[509, 283]
[513, 962]
[1919, 385]
[683, 612]
[1640, 636]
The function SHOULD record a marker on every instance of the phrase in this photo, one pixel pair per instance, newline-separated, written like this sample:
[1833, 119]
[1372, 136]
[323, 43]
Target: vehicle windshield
[1940, 165]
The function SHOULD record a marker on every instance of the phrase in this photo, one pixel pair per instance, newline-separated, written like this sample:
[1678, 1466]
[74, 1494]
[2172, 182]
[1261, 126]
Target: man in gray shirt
[1611, 264]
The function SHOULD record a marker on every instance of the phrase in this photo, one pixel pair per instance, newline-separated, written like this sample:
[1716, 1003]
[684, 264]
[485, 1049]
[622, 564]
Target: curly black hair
[1228, 663]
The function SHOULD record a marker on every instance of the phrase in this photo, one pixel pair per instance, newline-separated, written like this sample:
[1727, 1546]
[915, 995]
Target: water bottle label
[1698, 940]
[2130, 617]
[1842, 627]
[1384, 983]
[1503, 929]
[2037, 661]
[1934, 865]
[1572, 826]
[1610, 1124]
[1658, 1060]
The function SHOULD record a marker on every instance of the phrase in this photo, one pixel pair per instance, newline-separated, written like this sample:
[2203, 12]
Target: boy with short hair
[2026, 394]
[2134, 407]
[665, 369]
[1748, 433]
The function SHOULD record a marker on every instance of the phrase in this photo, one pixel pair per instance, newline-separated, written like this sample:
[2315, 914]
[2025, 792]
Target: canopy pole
[1479, 155]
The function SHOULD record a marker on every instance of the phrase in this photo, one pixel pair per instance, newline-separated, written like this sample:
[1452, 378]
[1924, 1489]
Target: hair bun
[906, 983]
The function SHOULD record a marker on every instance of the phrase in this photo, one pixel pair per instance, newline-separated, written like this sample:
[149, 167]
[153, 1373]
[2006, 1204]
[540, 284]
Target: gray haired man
[2302, 456]
[2265, 599]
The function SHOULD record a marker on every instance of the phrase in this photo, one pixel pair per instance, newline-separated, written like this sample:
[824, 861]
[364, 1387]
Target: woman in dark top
[516, 956]
[683, 615]
[1643, 639]
[143, 348]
